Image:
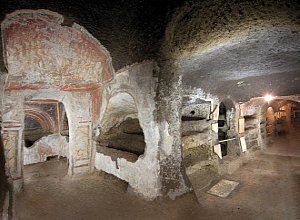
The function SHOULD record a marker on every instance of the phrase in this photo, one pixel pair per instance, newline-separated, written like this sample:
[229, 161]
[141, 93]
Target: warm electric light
[269, 98]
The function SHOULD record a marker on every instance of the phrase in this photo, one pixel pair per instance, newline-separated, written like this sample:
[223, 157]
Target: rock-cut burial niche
[195, 131]
[46, 132]
[121, 135]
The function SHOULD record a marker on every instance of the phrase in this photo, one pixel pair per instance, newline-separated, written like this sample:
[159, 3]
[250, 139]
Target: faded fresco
[83, 146]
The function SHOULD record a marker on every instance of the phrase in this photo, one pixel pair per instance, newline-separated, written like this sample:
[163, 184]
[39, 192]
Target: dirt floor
[269, 189]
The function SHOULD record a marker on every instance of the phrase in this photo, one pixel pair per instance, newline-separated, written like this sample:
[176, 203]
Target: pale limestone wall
[259, 122]
[142, 175]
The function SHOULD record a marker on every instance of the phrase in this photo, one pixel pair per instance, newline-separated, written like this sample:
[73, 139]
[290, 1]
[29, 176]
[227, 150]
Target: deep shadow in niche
[124, 141]
[191, 118]
[223, 128]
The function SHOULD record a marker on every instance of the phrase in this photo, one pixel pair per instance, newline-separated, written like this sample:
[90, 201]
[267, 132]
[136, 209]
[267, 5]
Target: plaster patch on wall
[243, 144]
[217, 150]
[83, 145]
[167, 141]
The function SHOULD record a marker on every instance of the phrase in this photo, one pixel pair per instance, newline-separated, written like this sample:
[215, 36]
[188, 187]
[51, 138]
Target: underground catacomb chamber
[121, 135]
[46, 132]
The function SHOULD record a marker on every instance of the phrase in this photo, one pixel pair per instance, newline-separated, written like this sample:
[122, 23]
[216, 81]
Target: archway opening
[226, 128]
[282, 127]
[121, 134]
[282, 117]
[223, 128]
[46, 129]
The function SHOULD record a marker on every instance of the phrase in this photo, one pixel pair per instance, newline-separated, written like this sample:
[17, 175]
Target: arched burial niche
[44, 135]
[121, 135]
[226, 128]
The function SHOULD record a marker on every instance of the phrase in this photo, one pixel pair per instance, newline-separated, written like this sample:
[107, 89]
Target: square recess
[223, 188]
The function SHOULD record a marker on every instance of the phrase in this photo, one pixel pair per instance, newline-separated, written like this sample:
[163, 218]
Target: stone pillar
[289, 113]
[80, 133]
[172, 175]
[260, 139]
[81, 146]
[12, 137]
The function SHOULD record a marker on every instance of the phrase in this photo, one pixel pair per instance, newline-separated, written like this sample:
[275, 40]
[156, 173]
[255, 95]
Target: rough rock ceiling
[248, 66]
[237, 48]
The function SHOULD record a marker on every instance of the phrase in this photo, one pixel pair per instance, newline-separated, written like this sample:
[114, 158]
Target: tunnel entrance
[227, 128]
[46, 131]
[282, 116]
[121, 135]
[283, 127]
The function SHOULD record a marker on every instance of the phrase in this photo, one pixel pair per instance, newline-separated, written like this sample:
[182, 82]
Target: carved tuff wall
[135, 87]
